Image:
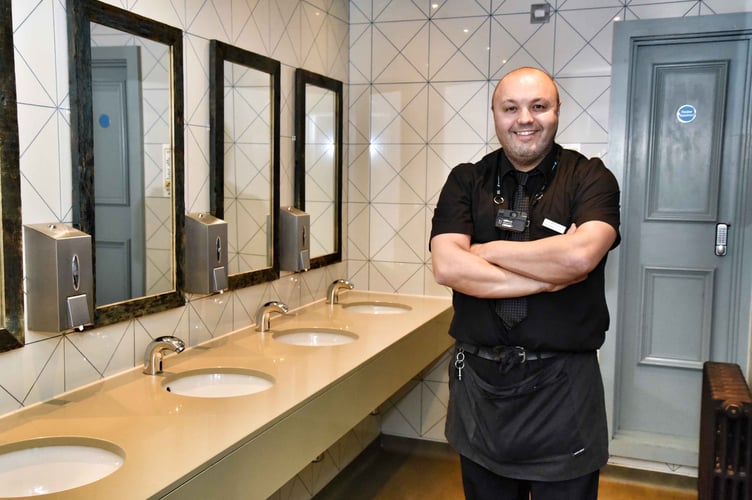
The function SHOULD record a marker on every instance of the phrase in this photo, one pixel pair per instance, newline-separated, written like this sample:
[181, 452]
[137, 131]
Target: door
[686, 177]
[118, 181]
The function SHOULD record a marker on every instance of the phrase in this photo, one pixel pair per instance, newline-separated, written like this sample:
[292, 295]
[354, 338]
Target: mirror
[318, 162]
[244, 150]
[11, 293]
[126, 87]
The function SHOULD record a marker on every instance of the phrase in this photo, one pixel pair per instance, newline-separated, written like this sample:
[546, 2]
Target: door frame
[628, 35]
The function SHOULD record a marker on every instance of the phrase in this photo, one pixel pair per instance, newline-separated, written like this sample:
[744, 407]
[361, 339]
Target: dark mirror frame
[12, 331]
[302, 79]
[80, 14]
[219, 53]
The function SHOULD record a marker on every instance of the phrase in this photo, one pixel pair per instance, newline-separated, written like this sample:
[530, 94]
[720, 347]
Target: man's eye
[510, 109]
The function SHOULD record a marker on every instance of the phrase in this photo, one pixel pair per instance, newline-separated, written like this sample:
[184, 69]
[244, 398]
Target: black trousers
[481, 484]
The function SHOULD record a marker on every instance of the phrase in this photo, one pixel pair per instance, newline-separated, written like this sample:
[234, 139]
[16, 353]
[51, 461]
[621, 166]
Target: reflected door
[679, 306]
[118, 186]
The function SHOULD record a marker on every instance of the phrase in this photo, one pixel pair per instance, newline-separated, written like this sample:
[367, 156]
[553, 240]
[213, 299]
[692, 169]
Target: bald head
[530, 74]
[525, 107]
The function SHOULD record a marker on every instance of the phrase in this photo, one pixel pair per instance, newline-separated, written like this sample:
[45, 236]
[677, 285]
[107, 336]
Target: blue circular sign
[686, 113]
[104, 120]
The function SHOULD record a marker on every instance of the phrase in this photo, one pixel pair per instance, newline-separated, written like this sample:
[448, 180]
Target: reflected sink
[49, 465]
[218, 383]
[376, 307]
[315, 337]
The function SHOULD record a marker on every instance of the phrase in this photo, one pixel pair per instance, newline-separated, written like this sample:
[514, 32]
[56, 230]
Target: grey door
[119, 184]
[686, 170]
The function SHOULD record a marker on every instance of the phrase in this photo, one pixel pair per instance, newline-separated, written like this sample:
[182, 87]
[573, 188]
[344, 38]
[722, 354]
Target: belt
[505, 353]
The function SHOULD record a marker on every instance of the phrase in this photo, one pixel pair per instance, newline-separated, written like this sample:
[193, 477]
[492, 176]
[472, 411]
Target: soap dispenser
[294, 229]
[205, 253]
[59, 277]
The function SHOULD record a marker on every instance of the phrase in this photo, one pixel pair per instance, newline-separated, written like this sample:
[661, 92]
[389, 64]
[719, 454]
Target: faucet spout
[155, 352]
[332, 293]
[263, 315]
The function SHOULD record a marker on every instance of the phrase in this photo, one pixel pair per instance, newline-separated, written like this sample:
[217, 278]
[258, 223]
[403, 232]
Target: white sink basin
[49, 465]
[315, 337]
[218, 383]
[376, 307]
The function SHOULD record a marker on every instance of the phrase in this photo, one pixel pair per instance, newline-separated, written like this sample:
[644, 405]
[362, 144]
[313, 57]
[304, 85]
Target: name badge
[554, 226]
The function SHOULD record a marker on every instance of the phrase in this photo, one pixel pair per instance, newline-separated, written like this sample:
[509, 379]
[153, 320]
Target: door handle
[721, 238]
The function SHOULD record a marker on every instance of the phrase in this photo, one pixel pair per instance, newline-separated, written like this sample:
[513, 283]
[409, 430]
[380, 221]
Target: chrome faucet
[156, 348]
[263, 315]
[332, 293]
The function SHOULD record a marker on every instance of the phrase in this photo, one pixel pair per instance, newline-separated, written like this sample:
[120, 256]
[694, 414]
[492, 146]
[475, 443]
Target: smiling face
[525, 108]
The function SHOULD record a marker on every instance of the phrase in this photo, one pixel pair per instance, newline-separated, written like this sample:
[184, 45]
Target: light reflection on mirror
[127, 152]
[11, 296]
[244, 150]
[318, 162]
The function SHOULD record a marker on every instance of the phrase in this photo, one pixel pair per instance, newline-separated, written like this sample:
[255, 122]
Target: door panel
[687, 102]
[118, 184]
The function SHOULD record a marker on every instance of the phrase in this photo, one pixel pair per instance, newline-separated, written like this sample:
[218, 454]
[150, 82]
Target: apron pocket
[530, 421]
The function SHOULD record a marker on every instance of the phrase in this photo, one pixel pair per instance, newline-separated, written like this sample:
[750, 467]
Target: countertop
[167, 437]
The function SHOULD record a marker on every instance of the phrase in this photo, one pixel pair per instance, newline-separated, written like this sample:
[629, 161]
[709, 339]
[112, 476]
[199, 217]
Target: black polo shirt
[565, 188]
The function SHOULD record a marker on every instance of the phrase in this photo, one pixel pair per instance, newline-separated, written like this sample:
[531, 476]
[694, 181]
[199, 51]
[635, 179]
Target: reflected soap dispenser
[205, 253]
[59, 277]
[294, 240]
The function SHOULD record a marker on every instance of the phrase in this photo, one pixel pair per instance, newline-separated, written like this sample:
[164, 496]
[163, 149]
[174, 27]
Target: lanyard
[498, 199]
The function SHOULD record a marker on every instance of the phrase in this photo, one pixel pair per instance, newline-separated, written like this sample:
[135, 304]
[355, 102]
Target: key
[459, 363]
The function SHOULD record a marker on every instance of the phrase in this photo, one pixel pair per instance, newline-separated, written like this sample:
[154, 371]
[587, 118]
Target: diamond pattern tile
[458, 112]
[515, 42]
[399, 113]
[360, 54]
[584, 113]
[724, 6]
[45, 163]
[455, 9]
[398, 173]
[399, 10]
[459, 49]
[403, 51]
[654, 11]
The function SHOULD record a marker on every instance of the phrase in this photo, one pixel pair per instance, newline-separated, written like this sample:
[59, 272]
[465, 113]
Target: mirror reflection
[11, 296]
[244, 150]
[131, 112]
[318, 162]
[126, 101]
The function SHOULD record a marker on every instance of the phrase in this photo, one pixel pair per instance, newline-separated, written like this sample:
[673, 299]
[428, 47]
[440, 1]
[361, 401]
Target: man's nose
[525, 116]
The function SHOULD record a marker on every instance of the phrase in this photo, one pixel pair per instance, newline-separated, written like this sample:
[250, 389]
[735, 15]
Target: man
[521, 237]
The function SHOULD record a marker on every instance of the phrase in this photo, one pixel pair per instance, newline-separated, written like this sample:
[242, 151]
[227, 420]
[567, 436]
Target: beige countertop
[167, 438]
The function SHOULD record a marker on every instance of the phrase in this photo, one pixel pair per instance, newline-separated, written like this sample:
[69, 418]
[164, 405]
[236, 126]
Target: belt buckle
[521, 353]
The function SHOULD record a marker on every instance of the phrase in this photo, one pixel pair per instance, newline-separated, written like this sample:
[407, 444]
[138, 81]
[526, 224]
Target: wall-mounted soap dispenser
[205, 253]
[59, 277]
[294, 229]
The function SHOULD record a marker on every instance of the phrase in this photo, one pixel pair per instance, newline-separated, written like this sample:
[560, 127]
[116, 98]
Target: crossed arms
[501, 269]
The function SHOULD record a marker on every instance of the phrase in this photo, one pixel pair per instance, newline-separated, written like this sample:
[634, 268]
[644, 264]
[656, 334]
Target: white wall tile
[458, 112]
[387, 10]
[723, 6]
[459, 49]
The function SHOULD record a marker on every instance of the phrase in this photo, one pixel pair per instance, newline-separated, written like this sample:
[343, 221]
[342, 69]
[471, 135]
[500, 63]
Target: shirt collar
[545, 167]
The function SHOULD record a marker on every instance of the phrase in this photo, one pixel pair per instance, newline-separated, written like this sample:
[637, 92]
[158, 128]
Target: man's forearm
[456, 267]
[558, 259]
